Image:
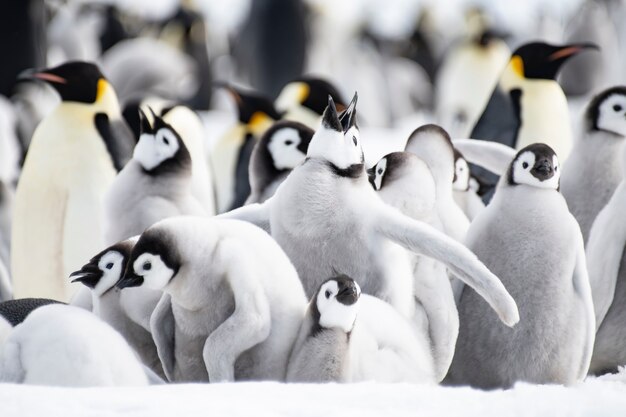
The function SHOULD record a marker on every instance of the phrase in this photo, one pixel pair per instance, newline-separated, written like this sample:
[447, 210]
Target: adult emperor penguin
[60, 345]
[363, 233]
[304, 100]
[232, 301]
[466, 188]
[433, 145]
[16, 311]
[281, 149]
[405, 182]
[349, 337]
[73, 158]
[594, 168]
[607, 273]
[542, 264]
[127, 311]
[154, 185]
[230, 156]
[528, 103]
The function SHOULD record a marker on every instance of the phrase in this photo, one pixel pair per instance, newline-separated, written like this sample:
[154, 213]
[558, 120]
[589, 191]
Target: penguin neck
[605, 149]
[107, 305]
[83, 113]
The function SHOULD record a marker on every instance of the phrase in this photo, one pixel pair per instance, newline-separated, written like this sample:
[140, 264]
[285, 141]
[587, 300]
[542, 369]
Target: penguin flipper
[605, 249]
[162, 327]
[6, 291]
[257, 214]
[493, 156]
[582, 288]
[423, 239]
[11, 369]
[500, 120]
[117, 137]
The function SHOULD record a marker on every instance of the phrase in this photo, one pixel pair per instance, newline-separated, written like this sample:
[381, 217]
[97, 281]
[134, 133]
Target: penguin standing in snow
[594, 168]
[282, 148]
[72, 160]
[543, 266]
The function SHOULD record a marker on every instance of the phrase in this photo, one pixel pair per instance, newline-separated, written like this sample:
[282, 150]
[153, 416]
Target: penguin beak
[348, 117]
[542, 170]
[130, 279]
[568, 51]
[31, 74]
[330, 119]
[88, 275]
[348, 295]
[371, 176]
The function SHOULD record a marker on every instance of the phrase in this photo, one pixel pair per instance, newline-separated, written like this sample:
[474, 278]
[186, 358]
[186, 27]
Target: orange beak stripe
[49, 77]
[562, 53]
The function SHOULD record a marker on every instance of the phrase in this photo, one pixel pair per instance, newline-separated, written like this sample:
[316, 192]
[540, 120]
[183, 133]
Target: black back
[15, 311]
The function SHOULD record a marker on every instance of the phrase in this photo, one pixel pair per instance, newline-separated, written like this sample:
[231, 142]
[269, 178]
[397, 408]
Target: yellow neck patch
[303, 92]
[259, 122]
[518, 65]
[101, 88]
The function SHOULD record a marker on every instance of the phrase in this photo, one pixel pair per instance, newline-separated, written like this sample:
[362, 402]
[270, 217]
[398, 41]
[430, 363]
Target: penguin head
[390, 168]
[160, 149]
[433, 145]
[286, 144]
[336, 303]
[309, 92]
[539, 60]
[607, 111]
[337, 141]
[106, 268]
[461, 173]
[154, 260]
[255, 112]
[75, 81]
[536, 165]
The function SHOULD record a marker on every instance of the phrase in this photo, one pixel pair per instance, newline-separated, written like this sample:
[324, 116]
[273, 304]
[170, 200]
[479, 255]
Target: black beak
[542, 170]
[567, 51]
[348, 117]
[88, 275]
[371, 176]
[130, 279]
[330, 120]
[348, 295]
[33, 74]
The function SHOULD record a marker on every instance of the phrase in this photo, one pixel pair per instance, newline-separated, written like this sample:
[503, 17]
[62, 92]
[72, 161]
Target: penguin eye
[617, 107]
[327, 294]
[380, 170]
[165, 141]
[525, 165]
[288, 142]
[109, 265]
[354, 140]
[147, 266]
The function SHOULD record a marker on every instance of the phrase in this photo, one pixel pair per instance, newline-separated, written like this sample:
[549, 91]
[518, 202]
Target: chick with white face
[527, 236]
[464, 194]
[232, 302]
[328, 199]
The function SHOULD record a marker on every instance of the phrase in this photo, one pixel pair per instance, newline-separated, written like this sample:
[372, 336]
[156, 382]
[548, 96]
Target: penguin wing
[605, 249]
[117, 137]
[493, 156]
[162, 327]
[500, 120]
[582, 288]
[6, 292]
[420, 238]
[257, 214]
[11, 368]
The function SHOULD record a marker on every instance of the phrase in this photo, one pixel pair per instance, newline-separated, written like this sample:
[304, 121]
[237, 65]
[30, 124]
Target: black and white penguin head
[461, 173]
[106, 268]
[392, 167]
[154, 260]
[309, 92]
[607, 111]
[337, 141]
[336, 303]
[286, 144]
[75, 81]
[539, 60]
[160, 148]
[536, 165]
[255, 112]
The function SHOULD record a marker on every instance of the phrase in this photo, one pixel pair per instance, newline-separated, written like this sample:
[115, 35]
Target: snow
[596, 397]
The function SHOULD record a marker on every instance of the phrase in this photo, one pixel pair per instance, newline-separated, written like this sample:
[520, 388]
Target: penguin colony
[133, 251]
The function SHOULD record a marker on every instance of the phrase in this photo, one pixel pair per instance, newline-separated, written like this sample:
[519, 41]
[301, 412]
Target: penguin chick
[71, 162]
[232, 301]
[321, 352]
[154, 185]
[594, 169]
[281, 149]
[464, 195]
[527, 236]
[304, 100]
[59, 345]
[126, 311]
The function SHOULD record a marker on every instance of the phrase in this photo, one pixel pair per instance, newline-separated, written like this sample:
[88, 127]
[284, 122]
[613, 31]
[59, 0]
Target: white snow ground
[595, 397]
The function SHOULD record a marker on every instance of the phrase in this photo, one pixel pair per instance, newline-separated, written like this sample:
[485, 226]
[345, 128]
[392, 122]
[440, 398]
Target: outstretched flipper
[421, 238]
[257, 214]
[492, 156]
[162, 327]
[605, 248]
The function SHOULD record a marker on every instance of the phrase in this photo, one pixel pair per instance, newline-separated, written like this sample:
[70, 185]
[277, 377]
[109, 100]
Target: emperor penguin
[16, 311]
[7, 195]
[349, 337]
[405, 182]
[232, 302]
[607, 273]
[465, 188]
[433, 145]
[527, 103]
[594, 168]
[304, 100]
[154, 185]
[127, 311]
[72, 160]
[281, 149]
[527, 236]
[363, 233]
[230, 156]
[59, 345]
